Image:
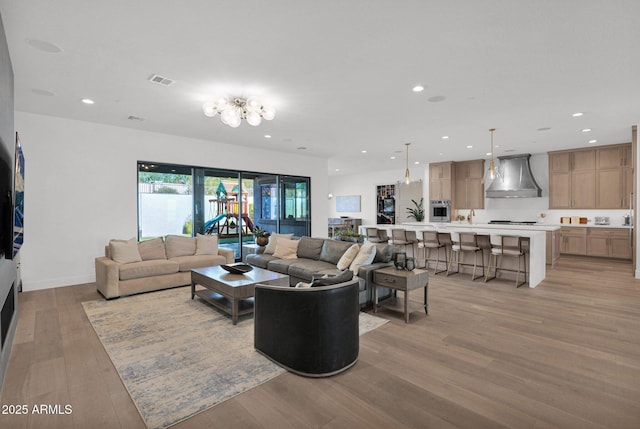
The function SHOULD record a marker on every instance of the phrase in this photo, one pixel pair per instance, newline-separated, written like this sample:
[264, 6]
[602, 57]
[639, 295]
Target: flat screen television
[18, 199]
[6, 205]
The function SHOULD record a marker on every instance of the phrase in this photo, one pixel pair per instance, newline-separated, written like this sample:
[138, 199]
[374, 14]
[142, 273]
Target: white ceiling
[340, 73]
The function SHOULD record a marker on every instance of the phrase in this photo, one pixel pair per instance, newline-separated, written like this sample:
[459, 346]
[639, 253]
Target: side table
[249, 249]
[404, 281]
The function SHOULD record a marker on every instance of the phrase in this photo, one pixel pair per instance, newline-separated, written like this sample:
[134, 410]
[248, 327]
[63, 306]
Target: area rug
[178, 356]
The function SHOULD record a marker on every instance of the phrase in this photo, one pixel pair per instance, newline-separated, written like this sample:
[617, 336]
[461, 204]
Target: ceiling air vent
[135, 118]
[161, 80]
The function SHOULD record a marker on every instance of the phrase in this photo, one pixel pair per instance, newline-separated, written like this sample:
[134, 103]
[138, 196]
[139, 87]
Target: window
[176, 199]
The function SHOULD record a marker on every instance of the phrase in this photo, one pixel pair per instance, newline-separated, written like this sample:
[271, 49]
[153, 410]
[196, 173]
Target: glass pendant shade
[253, 118]
[233, 110]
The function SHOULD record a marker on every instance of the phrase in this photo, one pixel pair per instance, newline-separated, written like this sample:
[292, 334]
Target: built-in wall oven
[440, 211]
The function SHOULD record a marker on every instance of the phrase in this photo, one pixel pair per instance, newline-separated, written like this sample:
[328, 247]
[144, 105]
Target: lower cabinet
[599, 242]
[609, 243]
[574, 241]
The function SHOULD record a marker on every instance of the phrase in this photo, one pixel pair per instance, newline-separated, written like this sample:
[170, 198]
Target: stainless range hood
[514, 179]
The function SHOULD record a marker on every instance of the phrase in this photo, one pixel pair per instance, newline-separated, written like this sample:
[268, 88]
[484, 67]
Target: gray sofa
[320, 256]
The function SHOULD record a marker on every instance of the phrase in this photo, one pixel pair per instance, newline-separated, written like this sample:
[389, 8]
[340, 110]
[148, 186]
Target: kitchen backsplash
[552, 217]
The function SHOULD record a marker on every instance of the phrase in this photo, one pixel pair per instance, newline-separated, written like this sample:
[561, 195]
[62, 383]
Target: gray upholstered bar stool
[431, 241]
[412, 239]
[373, 235]
[399, 238]
[510, 246]
[467, 242]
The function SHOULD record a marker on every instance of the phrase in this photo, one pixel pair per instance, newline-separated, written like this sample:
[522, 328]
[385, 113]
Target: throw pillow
[124, 251]
[152, 249]
[271, 247]
[344, 276]
[179, 245]
[286, 249]
[365, 256]
[348, 257]
[206, 244]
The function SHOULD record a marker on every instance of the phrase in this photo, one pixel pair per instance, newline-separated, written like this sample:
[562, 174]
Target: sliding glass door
[175, 199]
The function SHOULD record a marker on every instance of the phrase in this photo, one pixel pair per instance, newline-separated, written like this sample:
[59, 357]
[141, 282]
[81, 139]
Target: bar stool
[399, 238]
[467, 242]
[510, 246]
[382, 236]
[372, 235]
[431, 241]
[412, 238]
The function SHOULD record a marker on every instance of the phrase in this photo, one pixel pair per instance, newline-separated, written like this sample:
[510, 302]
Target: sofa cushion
[384, 253]
[305, 268]
[273, 241]
[310, 248]
[158, 267]
[327, 280]
[187, 263]
[179, 245]
[280, 265]
[152, 249]
[347, 258]
[286, 249]
[124, 251]
[260, 260]
[332, 250]
[365, 256]
[206, 244]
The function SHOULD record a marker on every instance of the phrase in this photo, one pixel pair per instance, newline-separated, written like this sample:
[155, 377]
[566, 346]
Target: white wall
[80, 188]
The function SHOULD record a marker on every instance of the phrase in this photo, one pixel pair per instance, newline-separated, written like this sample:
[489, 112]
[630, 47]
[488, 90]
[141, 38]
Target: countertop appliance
[601, 220]
[440, 211]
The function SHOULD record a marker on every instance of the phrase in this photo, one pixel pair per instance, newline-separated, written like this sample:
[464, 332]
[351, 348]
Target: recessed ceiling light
[417, 162]
[593, 141]
[393, 157]
[418, 88]
[267, 136]
[363, 151]
[337, 169]
[469, 147]
[577, 114]
[445, 137]
[87, 101]
[441, 154]
[43, 46]
[489, 154]
[586, 130]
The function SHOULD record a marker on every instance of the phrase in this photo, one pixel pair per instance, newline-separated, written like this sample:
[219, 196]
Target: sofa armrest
[107, 277]
[228, 254]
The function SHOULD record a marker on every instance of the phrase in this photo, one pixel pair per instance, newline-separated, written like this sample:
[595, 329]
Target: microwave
[440, 211]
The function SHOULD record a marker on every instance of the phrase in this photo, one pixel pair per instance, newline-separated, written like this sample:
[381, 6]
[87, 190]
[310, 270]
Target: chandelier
[233, 110]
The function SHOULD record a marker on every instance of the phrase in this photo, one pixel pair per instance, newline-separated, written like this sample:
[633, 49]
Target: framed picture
[350, 203]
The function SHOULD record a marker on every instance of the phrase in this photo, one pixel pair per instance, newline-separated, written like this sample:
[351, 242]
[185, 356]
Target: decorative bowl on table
[238, 268]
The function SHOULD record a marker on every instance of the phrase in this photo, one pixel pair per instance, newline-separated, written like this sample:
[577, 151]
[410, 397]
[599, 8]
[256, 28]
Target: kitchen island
[537, 235]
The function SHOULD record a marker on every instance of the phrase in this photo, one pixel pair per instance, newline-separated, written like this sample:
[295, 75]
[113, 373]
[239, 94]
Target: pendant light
[407, 174]
[492, 166]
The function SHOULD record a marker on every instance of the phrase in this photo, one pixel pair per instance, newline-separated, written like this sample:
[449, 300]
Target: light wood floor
[563, 355]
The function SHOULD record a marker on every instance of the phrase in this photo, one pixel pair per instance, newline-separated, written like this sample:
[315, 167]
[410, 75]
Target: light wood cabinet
[441, 181]
[553, 247]
[574, 241]
[595, 178]
[469, 185]
[609, 243]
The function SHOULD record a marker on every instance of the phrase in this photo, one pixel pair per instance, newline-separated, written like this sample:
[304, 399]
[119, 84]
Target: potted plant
[347, 234]
[262, 236]
[417, 212]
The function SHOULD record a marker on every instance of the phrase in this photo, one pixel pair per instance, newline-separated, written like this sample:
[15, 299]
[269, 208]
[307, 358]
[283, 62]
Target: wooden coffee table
[232, 293]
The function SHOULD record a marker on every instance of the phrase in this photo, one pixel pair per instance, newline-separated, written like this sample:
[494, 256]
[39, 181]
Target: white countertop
[436, 225]
[591, 225]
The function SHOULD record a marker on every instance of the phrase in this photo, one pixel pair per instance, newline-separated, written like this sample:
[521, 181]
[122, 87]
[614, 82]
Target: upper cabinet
[594, 178]
[469, 185]
[440, 181]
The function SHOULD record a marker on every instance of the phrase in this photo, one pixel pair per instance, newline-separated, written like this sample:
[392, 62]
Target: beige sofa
[129, 267]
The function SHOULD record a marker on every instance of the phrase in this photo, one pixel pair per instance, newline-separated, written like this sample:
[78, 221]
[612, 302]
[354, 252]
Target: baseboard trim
[28, 286]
